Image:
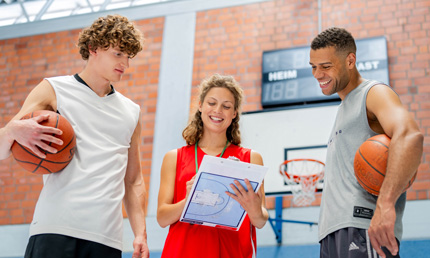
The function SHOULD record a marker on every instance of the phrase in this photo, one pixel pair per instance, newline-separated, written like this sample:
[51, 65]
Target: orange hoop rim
[296, 178]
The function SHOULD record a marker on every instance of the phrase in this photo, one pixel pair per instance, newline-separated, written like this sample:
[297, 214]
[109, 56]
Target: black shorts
[350, 243]
[60, 246]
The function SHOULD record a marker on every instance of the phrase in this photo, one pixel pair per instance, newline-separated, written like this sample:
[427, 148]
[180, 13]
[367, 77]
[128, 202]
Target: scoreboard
[287, 75]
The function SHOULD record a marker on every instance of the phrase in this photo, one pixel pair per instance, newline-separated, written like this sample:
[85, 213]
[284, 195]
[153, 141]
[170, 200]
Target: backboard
[281, 134]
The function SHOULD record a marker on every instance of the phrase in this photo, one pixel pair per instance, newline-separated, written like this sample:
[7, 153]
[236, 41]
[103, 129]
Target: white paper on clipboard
[208, 204]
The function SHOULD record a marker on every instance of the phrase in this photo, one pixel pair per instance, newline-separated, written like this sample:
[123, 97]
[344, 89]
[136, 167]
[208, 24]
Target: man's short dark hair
[338, 38]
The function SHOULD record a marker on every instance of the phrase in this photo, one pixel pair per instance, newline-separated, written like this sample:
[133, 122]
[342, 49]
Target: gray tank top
[344, 202]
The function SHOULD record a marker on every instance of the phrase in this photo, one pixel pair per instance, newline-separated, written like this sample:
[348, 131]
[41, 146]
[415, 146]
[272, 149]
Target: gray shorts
[60, 246]
[350, 243]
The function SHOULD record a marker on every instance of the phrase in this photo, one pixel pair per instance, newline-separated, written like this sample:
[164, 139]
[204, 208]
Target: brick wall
[228, 41]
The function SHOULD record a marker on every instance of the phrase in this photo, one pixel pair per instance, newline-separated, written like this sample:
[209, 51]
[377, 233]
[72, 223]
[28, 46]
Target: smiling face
[331, 69]
[217, 110]
[111, 63]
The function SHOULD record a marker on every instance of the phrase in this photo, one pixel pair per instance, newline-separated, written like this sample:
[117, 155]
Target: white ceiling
[25, 11]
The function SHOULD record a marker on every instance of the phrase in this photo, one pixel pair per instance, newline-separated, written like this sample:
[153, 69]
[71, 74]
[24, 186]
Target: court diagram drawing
[207, 198]
[210, 204]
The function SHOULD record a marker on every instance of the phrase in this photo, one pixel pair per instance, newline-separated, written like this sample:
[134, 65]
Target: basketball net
[302, 175]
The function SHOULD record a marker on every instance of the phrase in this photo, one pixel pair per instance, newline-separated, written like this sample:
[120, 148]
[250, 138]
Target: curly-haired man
[79, 210]
[354, 223]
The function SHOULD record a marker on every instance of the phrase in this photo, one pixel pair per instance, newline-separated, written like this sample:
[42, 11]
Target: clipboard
[208, 204]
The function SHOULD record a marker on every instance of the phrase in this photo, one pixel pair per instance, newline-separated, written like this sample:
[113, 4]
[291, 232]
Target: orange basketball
[54, 162]
[370, 163]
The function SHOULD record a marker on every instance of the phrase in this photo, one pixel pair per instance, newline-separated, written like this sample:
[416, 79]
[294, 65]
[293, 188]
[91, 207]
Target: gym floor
[408, 249]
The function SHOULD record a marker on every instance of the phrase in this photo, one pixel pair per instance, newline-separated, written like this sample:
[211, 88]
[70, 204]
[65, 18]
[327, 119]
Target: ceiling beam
[24, 12]
[43, 10]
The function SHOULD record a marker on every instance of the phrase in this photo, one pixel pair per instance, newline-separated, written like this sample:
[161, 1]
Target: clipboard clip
[233, 158]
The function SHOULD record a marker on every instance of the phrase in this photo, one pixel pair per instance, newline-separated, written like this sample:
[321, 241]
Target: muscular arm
[404, 157]
[29, 132]
[167, 211]
[135, 197]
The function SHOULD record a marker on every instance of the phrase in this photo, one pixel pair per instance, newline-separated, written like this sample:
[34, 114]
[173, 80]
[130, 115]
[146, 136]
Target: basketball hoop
[302, 175]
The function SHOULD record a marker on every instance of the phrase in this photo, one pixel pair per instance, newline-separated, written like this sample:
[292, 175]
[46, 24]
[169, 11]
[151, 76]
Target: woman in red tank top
[214, 130]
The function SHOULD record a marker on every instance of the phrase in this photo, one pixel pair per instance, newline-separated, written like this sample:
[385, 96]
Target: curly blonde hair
[110, 31]
[194, 130]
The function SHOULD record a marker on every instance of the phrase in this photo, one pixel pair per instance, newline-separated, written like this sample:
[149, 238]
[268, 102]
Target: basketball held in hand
[54, 162]
[370, 163]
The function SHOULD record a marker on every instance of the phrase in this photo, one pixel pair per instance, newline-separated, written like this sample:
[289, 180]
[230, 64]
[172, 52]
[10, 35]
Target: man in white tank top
[368, 108]
[79, 211]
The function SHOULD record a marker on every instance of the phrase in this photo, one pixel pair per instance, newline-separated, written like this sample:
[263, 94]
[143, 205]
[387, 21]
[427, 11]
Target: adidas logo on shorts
[353, 246]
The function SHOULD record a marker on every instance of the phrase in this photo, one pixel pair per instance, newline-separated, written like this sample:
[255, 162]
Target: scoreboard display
[287, 75]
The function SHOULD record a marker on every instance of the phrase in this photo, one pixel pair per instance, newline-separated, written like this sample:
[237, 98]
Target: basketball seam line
[74, 136]
[48, 161]
[359, 151]
[379, 143]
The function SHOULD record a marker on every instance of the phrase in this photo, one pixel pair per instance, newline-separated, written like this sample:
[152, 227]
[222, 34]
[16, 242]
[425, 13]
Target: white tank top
[85, 199]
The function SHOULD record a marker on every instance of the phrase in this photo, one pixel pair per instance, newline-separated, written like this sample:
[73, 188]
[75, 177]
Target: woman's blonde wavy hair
[194, 130]
[110, 31]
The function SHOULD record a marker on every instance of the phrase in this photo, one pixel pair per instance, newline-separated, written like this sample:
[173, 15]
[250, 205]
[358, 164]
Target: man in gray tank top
[354, 223]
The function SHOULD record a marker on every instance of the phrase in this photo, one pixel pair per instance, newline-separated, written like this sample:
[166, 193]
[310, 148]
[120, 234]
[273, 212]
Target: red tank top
[196, 241]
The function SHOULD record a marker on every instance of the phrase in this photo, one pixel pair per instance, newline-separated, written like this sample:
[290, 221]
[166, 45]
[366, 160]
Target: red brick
[17, 220]
[416, 73]
[16, 213]
[411, 195]
[424, 89]
[4, 221]
[412, 27]
[419, 35]
[422, 195]
[421, 57]
[421, 185]
[423, 81]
